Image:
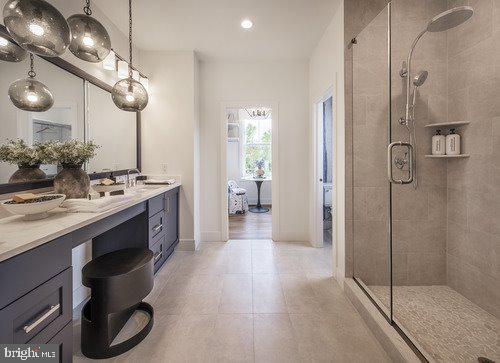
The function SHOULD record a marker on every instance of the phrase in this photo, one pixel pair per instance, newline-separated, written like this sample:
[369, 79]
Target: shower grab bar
[410, 162]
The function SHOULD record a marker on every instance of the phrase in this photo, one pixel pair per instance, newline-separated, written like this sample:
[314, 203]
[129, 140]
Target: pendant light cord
[86, 9]
[31, 72]
[130, 38]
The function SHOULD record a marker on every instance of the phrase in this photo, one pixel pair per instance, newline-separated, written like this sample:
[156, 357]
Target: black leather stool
[118, 281]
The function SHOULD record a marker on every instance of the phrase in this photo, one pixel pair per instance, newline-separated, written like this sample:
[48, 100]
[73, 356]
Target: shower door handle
[410, 162]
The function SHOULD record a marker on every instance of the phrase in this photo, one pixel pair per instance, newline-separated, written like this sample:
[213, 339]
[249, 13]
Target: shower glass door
[425, 246]
[371, 134]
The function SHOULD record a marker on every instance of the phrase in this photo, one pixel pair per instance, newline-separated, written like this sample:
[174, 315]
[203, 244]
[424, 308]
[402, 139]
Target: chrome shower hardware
[441, 22]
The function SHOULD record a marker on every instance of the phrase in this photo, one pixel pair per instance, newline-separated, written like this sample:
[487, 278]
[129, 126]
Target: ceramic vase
[27, 173]
[72, 181]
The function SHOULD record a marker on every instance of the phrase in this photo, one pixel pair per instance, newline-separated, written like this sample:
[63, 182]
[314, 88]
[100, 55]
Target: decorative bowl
[34, 210]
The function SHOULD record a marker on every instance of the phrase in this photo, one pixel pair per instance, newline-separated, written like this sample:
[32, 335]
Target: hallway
[252, 301]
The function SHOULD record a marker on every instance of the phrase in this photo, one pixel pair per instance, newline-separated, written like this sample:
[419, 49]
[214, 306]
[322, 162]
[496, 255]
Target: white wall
[284, 82]
[326, 70]
[169, 126]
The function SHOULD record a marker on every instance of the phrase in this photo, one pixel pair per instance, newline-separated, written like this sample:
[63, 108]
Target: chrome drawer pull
[33, 325]
[157, 228]
[158, 256]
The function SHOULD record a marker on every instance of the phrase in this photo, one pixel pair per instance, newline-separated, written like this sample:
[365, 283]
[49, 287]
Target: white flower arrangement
[17, 152]
[73, 152]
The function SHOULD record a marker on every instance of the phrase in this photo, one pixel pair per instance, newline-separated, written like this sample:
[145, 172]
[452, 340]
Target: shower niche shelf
[449, 124]
[448, 156]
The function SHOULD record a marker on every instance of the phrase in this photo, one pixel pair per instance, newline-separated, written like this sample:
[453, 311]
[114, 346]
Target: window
[256, 142]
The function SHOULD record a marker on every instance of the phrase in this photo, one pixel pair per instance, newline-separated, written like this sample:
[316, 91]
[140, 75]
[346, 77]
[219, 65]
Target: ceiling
[283, 29]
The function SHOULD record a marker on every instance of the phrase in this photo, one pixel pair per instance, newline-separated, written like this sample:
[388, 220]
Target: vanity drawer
[64, 339]
[22, 273]
[155, 205]
[40, 314]
[172, 216]
[159, 251]
[156, 225]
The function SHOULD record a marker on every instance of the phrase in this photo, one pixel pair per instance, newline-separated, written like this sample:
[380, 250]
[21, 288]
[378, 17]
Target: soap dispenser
[452, 143]
[438, 144]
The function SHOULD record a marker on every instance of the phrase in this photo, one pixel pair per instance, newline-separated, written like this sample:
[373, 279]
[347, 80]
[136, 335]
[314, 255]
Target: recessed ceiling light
[246, 24]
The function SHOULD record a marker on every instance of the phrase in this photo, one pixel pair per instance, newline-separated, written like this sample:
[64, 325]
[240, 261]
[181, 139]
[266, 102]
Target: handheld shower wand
[418, 81]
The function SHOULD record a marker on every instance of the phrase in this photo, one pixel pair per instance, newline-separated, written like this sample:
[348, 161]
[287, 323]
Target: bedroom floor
[251, 225]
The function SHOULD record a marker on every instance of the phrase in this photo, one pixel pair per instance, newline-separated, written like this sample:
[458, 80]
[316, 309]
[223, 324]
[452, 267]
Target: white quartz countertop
[18, 236]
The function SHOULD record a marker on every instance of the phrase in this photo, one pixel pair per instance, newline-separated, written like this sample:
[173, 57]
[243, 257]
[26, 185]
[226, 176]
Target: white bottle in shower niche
[438, 144]
[452, 143]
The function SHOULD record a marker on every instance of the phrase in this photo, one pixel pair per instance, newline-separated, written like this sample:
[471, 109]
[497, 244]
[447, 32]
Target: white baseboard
[80, 294]
[211, 236]
[186, 245]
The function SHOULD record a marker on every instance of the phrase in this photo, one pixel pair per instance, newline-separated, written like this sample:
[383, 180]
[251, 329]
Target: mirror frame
[8, 188]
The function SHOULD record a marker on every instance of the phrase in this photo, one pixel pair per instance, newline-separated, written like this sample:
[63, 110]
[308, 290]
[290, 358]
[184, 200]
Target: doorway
[324, 171]
[248, 171]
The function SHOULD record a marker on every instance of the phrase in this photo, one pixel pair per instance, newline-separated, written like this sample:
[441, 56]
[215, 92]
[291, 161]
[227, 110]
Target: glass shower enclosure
[425, 229]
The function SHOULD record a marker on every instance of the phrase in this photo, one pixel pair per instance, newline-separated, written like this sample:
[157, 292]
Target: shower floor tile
[447, 325]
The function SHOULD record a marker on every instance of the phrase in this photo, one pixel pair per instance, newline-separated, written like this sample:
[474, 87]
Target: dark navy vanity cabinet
[36, 285]
[163, 226]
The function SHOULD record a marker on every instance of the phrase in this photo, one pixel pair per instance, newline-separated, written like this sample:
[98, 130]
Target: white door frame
[274, 106]
[318, 166]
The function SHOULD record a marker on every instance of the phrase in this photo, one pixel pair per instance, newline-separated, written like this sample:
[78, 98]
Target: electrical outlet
[164, 168]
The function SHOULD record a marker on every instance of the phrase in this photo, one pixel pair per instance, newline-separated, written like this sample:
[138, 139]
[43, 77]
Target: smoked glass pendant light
[9, 50]
[89, 39]
[30, 95]
[37, 26]
[128, 94]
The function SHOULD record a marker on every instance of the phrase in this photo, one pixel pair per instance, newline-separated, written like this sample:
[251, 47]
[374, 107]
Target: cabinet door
[172, 216]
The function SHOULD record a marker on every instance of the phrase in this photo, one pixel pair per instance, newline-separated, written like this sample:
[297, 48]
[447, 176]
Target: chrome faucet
[132, 182]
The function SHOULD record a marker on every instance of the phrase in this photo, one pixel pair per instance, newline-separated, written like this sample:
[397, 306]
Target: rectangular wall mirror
[83, 110]
[111, 128]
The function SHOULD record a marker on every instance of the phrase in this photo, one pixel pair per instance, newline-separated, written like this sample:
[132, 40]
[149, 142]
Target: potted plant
[27, 158]
[72, 180]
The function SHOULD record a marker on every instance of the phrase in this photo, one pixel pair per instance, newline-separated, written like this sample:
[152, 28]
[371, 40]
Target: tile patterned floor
[252, 301]
[449, 327]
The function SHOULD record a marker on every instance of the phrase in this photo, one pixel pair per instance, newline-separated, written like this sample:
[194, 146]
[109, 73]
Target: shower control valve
[400, 162]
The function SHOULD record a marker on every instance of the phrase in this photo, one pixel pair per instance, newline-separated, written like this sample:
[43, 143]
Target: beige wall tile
[479, 27]
[426, 269]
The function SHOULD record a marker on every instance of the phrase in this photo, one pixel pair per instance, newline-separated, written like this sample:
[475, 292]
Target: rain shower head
[420, 78]
[450, 19]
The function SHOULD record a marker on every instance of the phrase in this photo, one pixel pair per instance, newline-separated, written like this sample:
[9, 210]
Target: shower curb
[388, 337]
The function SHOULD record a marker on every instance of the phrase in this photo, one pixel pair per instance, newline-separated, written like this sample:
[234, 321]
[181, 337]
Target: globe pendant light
[128, 94]
[30, 95]
[9, 50]
[89, 39]
[37, 26]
